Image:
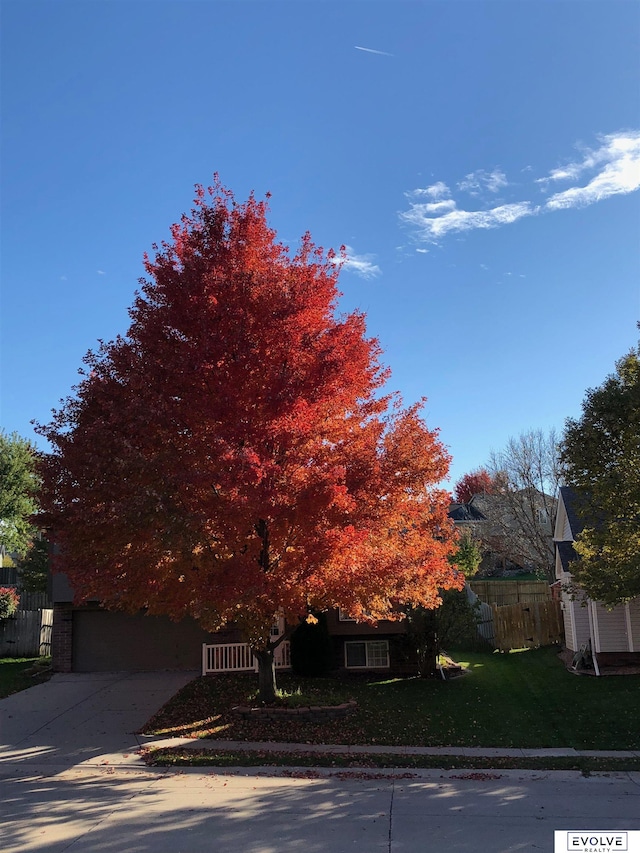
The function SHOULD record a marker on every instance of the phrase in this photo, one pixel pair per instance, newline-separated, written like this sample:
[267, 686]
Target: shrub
[9, 601]
[311, 648]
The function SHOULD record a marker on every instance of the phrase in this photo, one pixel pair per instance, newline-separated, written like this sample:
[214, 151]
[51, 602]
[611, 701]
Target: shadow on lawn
[523, 700]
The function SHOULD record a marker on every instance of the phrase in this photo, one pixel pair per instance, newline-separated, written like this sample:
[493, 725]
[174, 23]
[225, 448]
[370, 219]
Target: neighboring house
[613, 635]
[515, 528]
[518, 528]
[87, 638]
[467, 517]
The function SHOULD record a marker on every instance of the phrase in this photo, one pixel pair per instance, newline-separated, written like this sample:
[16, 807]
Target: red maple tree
[474, 483]
[233, 458]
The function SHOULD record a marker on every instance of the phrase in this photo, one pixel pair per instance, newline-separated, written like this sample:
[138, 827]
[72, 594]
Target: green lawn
[523, 699]
[19, 673]
[256, 758]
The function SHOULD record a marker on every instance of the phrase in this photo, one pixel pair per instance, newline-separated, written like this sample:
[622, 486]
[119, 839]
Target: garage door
[104, 641]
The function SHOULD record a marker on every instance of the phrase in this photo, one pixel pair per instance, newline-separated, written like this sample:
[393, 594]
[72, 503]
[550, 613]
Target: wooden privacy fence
[503, 592]
[527, 624]
[516, 614]
[26, 634]
[34, 600]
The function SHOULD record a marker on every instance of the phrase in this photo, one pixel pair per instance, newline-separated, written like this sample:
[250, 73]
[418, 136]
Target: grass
[522, 700]
[20, 673]
[256, 758]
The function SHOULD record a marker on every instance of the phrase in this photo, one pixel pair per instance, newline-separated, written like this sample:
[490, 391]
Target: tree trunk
[428, 655]
[266, 675]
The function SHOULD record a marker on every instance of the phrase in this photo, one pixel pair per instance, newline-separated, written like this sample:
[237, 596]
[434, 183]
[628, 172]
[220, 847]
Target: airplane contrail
[371, 50]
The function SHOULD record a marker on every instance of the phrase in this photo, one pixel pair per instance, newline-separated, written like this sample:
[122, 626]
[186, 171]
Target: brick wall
[62, 637]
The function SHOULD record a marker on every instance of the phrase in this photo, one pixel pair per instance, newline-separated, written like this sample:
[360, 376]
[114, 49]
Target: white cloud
[432, 228]
[361, 265]
[435, 191]
[613, 168]
[101, 272]
[438, 207]
[476, 182]
[371, 50]
[618, 161]
[567, 173]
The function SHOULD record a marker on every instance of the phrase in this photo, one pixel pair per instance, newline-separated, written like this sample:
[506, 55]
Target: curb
[467, 751]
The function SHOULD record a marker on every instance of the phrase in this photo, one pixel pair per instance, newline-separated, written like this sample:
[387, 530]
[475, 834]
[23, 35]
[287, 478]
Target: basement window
[366, 654]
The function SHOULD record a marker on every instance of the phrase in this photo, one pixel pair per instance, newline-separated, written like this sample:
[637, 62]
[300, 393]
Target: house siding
[339, 628]
[611, 629]
[576, 621]
[581, 616]
[569, 627]
[559, 568]
[634, 611]
[614, 632]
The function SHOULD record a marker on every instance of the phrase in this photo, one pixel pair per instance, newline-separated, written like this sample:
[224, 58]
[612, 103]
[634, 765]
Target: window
[366, 654]
[543, 517]
[343, 616]
[277, 628]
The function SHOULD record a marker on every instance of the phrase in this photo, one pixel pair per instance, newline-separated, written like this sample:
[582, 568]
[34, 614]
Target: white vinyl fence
[237, 657]
[26, 634]
[484, 616]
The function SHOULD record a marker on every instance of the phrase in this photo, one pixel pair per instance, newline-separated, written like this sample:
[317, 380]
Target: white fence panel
[484, 616]
[238, 657]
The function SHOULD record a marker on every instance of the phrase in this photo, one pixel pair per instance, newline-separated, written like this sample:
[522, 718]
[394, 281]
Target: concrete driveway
[81, 718]
[71, 783]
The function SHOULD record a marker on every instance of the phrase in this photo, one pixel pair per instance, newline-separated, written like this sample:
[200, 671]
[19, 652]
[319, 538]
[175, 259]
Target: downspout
[627, 617]
[592, 638]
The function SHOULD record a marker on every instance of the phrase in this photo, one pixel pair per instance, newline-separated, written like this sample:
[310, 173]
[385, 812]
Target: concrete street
[71, 782]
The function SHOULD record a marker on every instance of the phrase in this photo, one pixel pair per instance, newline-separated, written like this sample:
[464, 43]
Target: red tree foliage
[233, 457]
[474, 483]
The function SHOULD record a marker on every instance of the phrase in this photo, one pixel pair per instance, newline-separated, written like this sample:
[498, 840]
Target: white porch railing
[237, 657]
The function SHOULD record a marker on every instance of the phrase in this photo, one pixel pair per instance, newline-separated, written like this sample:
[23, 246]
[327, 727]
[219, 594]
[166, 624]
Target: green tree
[19, 485]
[601, 458]
[468, 557]
[34, 567]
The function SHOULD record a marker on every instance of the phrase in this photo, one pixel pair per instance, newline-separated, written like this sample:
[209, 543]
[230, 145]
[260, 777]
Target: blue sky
[481, 161]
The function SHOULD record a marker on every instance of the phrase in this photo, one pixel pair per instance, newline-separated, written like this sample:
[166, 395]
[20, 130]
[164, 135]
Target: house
[88, 638]
[613, 635]
[467, 517]
[515, 528]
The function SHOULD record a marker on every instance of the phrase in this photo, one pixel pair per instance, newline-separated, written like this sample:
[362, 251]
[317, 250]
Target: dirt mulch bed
[566, 656]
